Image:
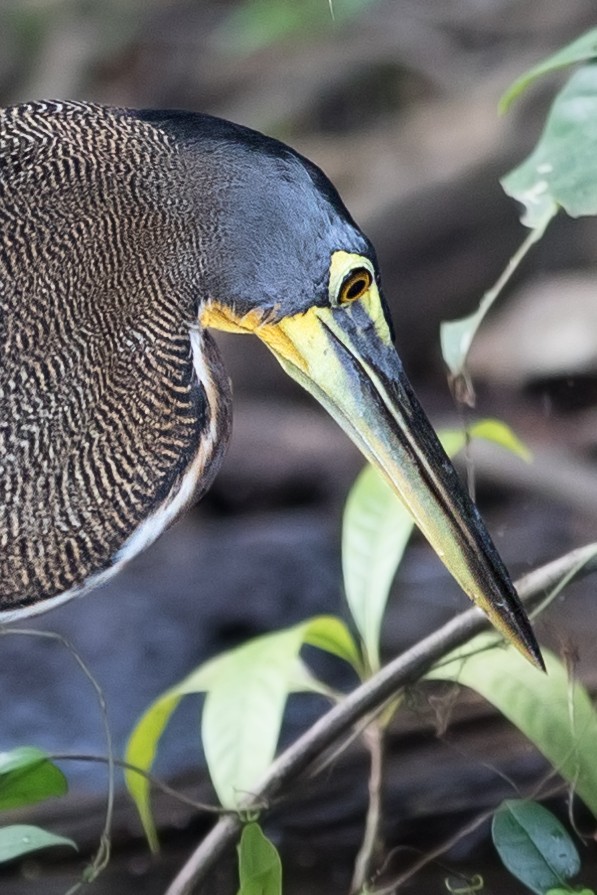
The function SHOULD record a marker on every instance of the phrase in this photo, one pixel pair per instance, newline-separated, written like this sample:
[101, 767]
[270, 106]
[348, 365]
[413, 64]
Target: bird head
[134, 230]
[290, 266]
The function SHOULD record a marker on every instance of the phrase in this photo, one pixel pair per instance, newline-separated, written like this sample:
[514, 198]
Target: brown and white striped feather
[114, 407]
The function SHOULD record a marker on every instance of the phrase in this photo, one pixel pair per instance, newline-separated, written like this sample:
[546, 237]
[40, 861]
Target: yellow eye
[354, 285]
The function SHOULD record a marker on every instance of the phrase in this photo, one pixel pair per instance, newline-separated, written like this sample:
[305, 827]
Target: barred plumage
[101, 410]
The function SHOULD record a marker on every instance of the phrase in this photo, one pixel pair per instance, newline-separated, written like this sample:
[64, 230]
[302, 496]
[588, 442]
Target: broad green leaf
[143, 742]
[534, 845]
[27, 776]
[243, 708]
[562, 169]
[19, 839]
[377, 527]
[259, 865]
[580, 50]
[456, 336]
[552, 710]
[247, 689]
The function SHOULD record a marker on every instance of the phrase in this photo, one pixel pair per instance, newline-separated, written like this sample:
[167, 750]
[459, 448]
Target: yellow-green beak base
[344, 356]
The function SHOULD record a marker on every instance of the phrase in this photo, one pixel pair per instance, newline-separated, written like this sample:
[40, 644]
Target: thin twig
[102, 857]
[472, 825]
[374, 741]
[155, 782]
[402, 671]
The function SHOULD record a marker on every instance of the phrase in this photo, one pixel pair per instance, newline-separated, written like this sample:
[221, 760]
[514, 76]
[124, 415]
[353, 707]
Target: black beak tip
[524, 636]
[534, 652]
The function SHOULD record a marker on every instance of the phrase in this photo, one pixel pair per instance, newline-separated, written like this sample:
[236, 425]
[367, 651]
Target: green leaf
[552, 710]
[331, 635]
[140, 753]
[376, 529]
[27, 776]
[562, 169]
[246, 694]
[534, 845]
[580, 50]
[19, 839]
[243, 712]
[259, 865]
[143, 742]
[243, 708]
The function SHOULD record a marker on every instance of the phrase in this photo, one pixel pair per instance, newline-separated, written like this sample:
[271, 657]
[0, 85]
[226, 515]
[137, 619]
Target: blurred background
[396, 101]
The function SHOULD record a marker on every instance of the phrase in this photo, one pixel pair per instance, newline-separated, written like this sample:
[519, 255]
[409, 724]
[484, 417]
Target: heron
[125, 238]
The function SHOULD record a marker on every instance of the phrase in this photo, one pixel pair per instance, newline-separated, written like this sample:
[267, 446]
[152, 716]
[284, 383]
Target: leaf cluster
[246, 688]
[28, 776]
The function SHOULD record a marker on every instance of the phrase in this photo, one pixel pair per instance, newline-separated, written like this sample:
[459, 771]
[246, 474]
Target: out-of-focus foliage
[257, 23]
[28, 776]
[582, 49]
[77, 34]
[561, 172]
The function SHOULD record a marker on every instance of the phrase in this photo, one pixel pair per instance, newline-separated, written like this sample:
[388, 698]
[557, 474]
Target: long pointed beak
[345, 357]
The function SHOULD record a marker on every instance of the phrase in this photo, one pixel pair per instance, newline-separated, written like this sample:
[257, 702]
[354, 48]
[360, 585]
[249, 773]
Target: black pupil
[356, 287]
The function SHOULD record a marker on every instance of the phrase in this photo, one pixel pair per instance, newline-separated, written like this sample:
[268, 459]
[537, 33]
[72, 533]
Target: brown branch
[365, 699]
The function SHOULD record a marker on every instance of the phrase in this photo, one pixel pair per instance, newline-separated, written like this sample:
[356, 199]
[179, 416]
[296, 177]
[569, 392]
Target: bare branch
[366, 699]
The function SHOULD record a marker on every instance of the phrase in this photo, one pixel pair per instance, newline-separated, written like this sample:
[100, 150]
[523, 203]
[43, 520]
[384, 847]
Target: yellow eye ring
[354, 285]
